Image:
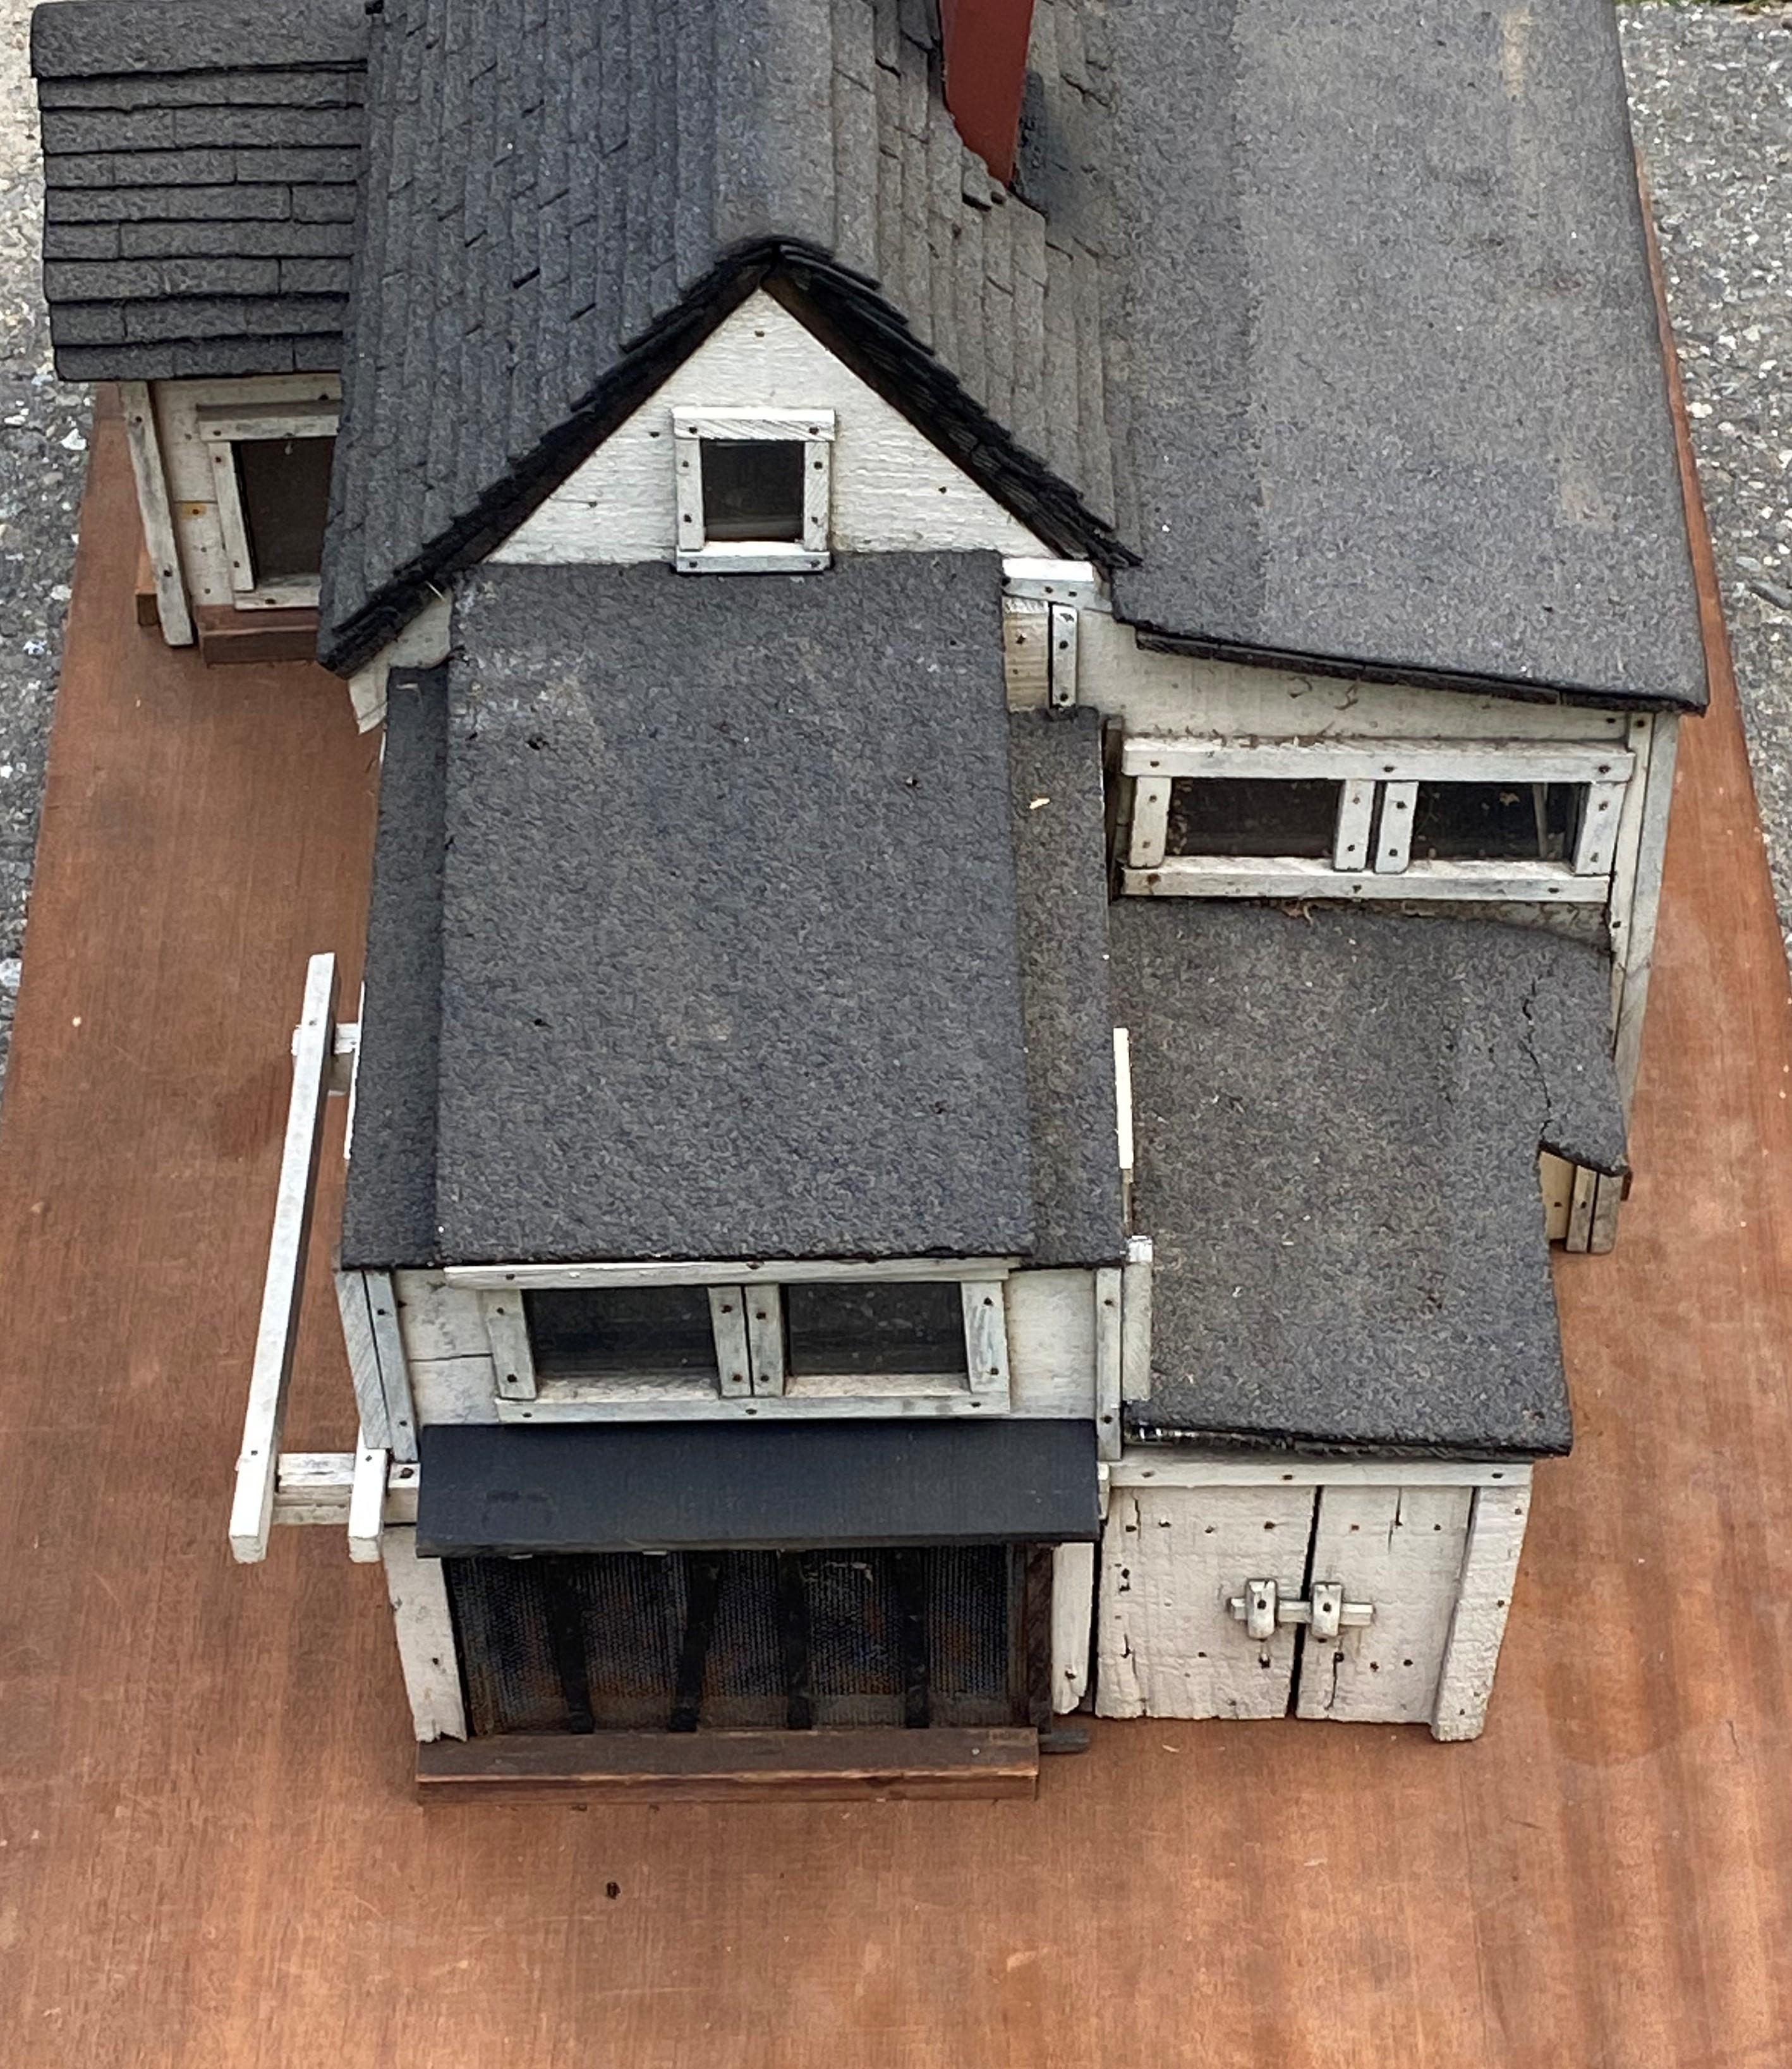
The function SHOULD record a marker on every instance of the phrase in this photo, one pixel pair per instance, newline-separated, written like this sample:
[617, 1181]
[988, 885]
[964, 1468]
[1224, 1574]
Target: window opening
[1496, 821]
[752, 488]
[878, 1327]
[616, 1332]
[284, 488]
[1253, 816]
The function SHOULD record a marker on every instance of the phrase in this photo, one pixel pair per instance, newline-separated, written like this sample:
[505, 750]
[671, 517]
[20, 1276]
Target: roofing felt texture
[1060, 860]
[1392, 383]
[560, 202]
[728, 933]
[200, 162]
[1337, 1124]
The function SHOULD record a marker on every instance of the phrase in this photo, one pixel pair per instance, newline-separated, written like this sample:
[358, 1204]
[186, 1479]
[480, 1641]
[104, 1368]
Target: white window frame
[746, 1313]
[1364, 768]
[221, 429]
[698, 554]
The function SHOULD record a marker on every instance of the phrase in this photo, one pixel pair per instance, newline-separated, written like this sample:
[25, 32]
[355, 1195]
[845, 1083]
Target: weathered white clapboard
[1369, 1591]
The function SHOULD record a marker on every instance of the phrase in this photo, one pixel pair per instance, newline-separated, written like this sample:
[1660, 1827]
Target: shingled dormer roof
[200, 163]
[562, 201]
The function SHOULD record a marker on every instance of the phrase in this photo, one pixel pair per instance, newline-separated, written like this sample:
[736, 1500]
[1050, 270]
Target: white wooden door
[1172, 1560]
[1399, 1550]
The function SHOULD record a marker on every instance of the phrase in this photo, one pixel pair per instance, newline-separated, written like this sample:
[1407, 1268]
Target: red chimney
[985, 74]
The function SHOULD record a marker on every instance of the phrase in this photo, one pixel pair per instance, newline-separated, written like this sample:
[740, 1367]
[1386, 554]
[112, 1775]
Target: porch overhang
[492, 1489]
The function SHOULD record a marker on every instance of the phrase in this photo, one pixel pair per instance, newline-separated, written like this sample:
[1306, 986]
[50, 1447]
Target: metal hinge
[1261, 1609]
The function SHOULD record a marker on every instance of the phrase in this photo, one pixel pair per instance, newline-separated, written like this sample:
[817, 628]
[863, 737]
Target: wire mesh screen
[741, 1640]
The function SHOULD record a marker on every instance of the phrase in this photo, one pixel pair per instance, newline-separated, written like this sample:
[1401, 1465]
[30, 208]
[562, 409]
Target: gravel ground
[1712, 96]
[42, 450]
[1711, 101]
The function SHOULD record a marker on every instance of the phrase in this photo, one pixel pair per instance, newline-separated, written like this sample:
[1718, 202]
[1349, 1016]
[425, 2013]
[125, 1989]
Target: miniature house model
[1029, 659]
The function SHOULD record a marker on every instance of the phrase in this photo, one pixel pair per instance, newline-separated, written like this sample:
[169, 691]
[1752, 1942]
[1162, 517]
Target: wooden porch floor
[210, 1853]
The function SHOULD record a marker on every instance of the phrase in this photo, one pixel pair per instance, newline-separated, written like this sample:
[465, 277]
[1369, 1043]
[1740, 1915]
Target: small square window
[622, 1331]
[1248, 815]
[877, 1327]
[752, 488]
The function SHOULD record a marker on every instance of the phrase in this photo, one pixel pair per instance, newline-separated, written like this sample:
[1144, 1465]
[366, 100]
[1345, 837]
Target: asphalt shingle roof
[200, 168]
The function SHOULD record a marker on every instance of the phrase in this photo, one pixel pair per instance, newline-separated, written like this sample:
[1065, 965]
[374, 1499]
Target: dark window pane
[1496, 821]
[602, 1331]
[284, 484]
[752, 489]
[873, 1328]
[1248, 815]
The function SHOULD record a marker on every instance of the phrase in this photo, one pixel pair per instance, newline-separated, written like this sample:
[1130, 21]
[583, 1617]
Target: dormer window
[753, 490]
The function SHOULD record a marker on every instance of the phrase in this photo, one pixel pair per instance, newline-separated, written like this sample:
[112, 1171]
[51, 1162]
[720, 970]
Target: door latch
[1261, 1608]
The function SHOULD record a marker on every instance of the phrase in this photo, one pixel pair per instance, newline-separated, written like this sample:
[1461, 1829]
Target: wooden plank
[986, 1340]
[696, 1271]
[818, 469]
[1489, 1572]
[1291, 877]
[1142, 1465]
[155, 513]
[401, 1414]
[1109, 1281]
[367, 1505]
[364, 1364]
[880, 1402]
[727, 1320]
[1123, 1101]
[1378, 761]
[1150, 822]
[438, 1320]
[252, 1507]
[1171, 1559]
[507, 1331]
[424, 1629]
[1355, 816]
[764, 1310]
[727, 1767]
[1556, 1183]
[1597, 846]
[1135, 1322]
[1399, 1550]
[230, 638]
[1072, 1624]
[1393, 836]
[760, 425]
[1063, 656]
[1581, 1202]
[1027, 653]
[1639, 935]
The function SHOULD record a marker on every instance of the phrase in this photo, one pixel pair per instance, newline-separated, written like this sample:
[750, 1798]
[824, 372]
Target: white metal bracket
[1261, 1608]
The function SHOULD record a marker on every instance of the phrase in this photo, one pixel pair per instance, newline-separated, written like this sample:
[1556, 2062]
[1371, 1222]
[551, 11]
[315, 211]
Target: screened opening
[612, 1332]
[876, 1328]
[1496, 821]
[752, 488]
[720, 1641]
[1251, 815]
[284, 487]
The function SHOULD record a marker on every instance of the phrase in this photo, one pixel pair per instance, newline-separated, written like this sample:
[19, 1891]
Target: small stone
[1771, 592]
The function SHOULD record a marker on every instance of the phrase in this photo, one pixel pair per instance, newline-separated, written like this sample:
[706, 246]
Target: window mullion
[764, 1317]
[1355, 811]
[1394, 848]
[728, 1317]
[986, 1339]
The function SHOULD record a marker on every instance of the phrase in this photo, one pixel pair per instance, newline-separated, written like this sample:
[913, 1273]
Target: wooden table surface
[209, 1849]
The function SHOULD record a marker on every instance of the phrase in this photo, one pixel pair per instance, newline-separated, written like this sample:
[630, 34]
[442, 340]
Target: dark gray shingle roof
[1337, 1120]
[562, 201]
[200, 168]
[1384, 358]
[726, 924]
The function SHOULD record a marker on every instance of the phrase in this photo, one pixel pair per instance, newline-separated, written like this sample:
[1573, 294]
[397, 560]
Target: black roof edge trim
[872, 338]
[1140, 1425]
[1402, 675]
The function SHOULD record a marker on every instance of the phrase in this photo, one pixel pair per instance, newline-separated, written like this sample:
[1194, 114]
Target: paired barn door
[1272, 1600]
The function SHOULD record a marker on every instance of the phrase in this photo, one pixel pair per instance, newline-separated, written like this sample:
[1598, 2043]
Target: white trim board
[694, 1272]
[1141, 1465]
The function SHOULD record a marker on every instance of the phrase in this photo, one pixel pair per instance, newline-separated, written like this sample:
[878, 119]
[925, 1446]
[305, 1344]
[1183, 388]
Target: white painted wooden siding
[1400, 1549]
[893, 491]
[1171, 1559]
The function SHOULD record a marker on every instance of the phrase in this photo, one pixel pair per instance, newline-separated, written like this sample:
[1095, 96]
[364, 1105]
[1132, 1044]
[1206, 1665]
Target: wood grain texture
[216, 1865]
[732, 1767]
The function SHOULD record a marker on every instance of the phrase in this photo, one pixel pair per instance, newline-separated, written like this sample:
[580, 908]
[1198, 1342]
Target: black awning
[623, 1487]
